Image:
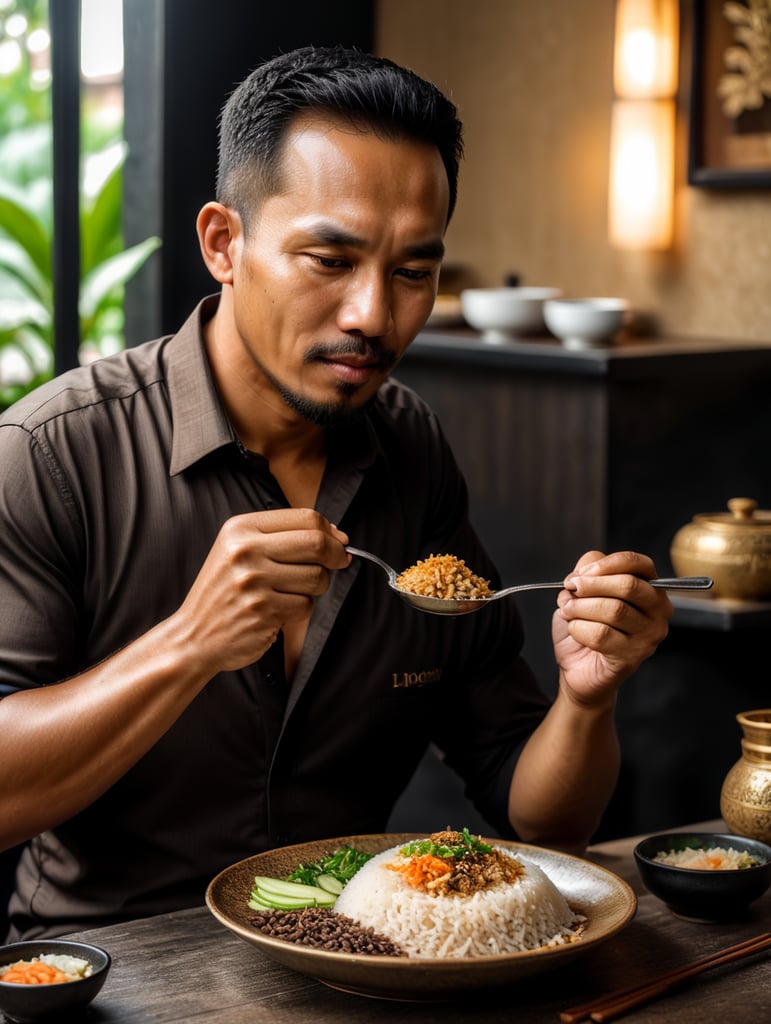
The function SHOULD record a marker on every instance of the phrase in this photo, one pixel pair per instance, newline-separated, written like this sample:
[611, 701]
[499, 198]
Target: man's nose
[367, 307]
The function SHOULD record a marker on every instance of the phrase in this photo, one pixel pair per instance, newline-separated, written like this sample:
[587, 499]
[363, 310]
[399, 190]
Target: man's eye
[414, 275]
[331, 262]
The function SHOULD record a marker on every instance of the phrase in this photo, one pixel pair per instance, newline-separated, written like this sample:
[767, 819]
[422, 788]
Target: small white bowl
[505, 313]
[586, 323]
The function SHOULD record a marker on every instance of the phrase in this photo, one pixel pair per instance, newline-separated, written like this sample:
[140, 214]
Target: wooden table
[185, 967]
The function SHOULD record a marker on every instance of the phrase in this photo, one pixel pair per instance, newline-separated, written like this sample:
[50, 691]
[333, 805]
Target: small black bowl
[53, 1002]
[704, 895]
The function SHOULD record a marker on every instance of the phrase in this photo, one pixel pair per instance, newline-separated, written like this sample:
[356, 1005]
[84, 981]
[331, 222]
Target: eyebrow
[330, 234]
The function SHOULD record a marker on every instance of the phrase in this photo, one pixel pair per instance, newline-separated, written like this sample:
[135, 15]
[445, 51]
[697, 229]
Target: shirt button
[269, 679]
[282, 838]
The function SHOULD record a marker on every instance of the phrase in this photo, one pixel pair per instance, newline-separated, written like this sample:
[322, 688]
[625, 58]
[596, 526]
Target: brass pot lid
[742, 515]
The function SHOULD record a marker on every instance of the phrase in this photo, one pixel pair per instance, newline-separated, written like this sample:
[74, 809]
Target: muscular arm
[565, 776]
[65, 744]
[608, 621]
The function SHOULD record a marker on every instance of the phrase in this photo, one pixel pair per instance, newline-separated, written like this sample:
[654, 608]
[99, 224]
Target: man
[194, 667]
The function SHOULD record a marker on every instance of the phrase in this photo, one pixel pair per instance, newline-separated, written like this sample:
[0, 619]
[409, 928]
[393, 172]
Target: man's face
[339, 271]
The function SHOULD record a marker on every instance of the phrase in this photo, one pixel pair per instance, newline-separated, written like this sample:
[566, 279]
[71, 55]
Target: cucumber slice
[275, 892]
[266, 899]
[330, 883]
[259, 902]
[280, 887]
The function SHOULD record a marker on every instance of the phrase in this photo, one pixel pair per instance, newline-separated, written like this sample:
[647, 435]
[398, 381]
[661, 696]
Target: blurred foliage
[26, 222]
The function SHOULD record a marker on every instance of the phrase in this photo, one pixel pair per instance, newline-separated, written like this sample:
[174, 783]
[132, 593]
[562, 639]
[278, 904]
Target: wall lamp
[642, 131]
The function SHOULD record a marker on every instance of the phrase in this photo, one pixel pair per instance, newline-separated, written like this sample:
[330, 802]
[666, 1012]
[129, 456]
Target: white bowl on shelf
[586, 323]
[502, 314]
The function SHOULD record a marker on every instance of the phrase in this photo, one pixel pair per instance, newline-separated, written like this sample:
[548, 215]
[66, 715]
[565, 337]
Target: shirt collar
[200, 424]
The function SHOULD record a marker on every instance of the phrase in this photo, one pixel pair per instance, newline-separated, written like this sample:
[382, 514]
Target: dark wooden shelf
[725, 614]
[545, 353]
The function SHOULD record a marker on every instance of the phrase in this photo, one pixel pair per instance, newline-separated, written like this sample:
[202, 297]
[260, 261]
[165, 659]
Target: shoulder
[91, 387]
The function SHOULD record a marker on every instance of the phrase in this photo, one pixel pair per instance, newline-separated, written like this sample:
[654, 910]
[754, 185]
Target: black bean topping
[322, 928]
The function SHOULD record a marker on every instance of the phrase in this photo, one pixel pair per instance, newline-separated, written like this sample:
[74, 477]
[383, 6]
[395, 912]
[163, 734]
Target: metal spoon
[449, 606]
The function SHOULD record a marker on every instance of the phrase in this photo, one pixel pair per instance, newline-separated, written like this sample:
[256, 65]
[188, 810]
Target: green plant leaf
[100, 221]
[99, 167]
[26, 155]
[22, 312]
[21, 224]
[17, 269]
[97, 286]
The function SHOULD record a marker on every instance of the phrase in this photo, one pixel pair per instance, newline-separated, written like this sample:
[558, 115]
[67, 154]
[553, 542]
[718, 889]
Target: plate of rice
[537, 910]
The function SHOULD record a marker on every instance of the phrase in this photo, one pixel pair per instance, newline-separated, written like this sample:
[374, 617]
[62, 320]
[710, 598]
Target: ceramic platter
[603, 898]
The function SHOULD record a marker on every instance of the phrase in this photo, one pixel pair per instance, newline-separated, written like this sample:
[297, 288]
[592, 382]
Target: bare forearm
[565, 776]
[64, 745]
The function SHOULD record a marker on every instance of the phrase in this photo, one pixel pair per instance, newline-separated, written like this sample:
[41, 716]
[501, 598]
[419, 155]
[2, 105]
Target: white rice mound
[507, 918]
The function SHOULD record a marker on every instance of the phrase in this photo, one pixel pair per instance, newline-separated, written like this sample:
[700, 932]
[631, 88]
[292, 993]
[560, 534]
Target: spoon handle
[662, 583]
[387, 569]
[683, 583]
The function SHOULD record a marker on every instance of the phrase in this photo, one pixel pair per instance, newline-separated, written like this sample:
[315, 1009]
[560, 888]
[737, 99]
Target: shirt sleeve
[39, 610]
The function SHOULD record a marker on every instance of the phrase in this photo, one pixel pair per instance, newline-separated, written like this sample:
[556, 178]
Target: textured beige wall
[533, 84]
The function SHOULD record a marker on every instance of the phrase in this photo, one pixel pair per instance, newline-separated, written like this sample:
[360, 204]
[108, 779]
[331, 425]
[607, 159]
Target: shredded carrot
[420, 871]
[33, 972]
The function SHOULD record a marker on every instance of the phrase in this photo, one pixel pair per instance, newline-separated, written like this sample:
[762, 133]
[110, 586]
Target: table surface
[186, 967]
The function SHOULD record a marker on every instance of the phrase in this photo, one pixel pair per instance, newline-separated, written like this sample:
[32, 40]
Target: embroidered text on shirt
[431, 675]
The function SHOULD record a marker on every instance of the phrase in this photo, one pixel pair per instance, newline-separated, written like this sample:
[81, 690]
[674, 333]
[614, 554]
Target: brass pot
[733, 547]
[745, 797]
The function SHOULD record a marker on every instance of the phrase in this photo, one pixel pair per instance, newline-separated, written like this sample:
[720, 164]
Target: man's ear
[219, 228]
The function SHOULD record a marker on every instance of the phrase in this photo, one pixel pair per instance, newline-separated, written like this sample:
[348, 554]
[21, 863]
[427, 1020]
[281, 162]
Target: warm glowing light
[641, 173]
[645, 55]
[642, 144]
[638, 57]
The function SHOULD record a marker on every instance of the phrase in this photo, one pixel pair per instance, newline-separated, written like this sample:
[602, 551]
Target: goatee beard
[325, 414]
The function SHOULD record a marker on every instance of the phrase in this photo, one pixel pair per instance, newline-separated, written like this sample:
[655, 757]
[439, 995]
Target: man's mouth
[352, 370]
[353, 362]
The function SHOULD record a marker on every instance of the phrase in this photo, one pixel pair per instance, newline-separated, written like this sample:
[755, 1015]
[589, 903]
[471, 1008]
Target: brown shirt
[114, 481]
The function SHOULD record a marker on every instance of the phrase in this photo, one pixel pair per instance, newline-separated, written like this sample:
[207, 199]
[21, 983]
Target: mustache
[371, 349]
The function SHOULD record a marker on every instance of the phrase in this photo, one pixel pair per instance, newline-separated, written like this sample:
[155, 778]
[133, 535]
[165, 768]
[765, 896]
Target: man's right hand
[263, 570]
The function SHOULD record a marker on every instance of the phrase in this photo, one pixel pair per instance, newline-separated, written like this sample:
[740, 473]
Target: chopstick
[616, 1003]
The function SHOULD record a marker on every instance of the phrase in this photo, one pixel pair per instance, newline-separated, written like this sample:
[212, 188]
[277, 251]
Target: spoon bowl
[464, 606]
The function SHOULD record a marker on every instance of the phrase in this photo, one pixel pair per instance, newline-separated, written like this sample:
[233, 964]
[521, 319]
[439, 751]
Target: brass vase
[745, 798]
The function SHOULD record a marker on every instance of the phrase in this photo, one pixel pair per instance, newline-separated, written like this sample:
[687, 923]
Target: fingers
[263, 570]
[605, 622]
[295, 544]
[608, 600]
[595, 563]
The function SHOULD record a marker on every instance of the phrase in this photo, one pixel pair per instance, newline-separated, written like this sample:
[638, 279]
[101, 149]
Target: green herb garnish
[342, 865]
[469, 844]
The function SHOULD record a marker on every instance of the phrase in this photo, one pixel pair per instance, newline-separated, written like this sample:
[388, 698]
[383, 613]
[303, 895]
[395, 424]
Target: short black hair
[372, 93]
